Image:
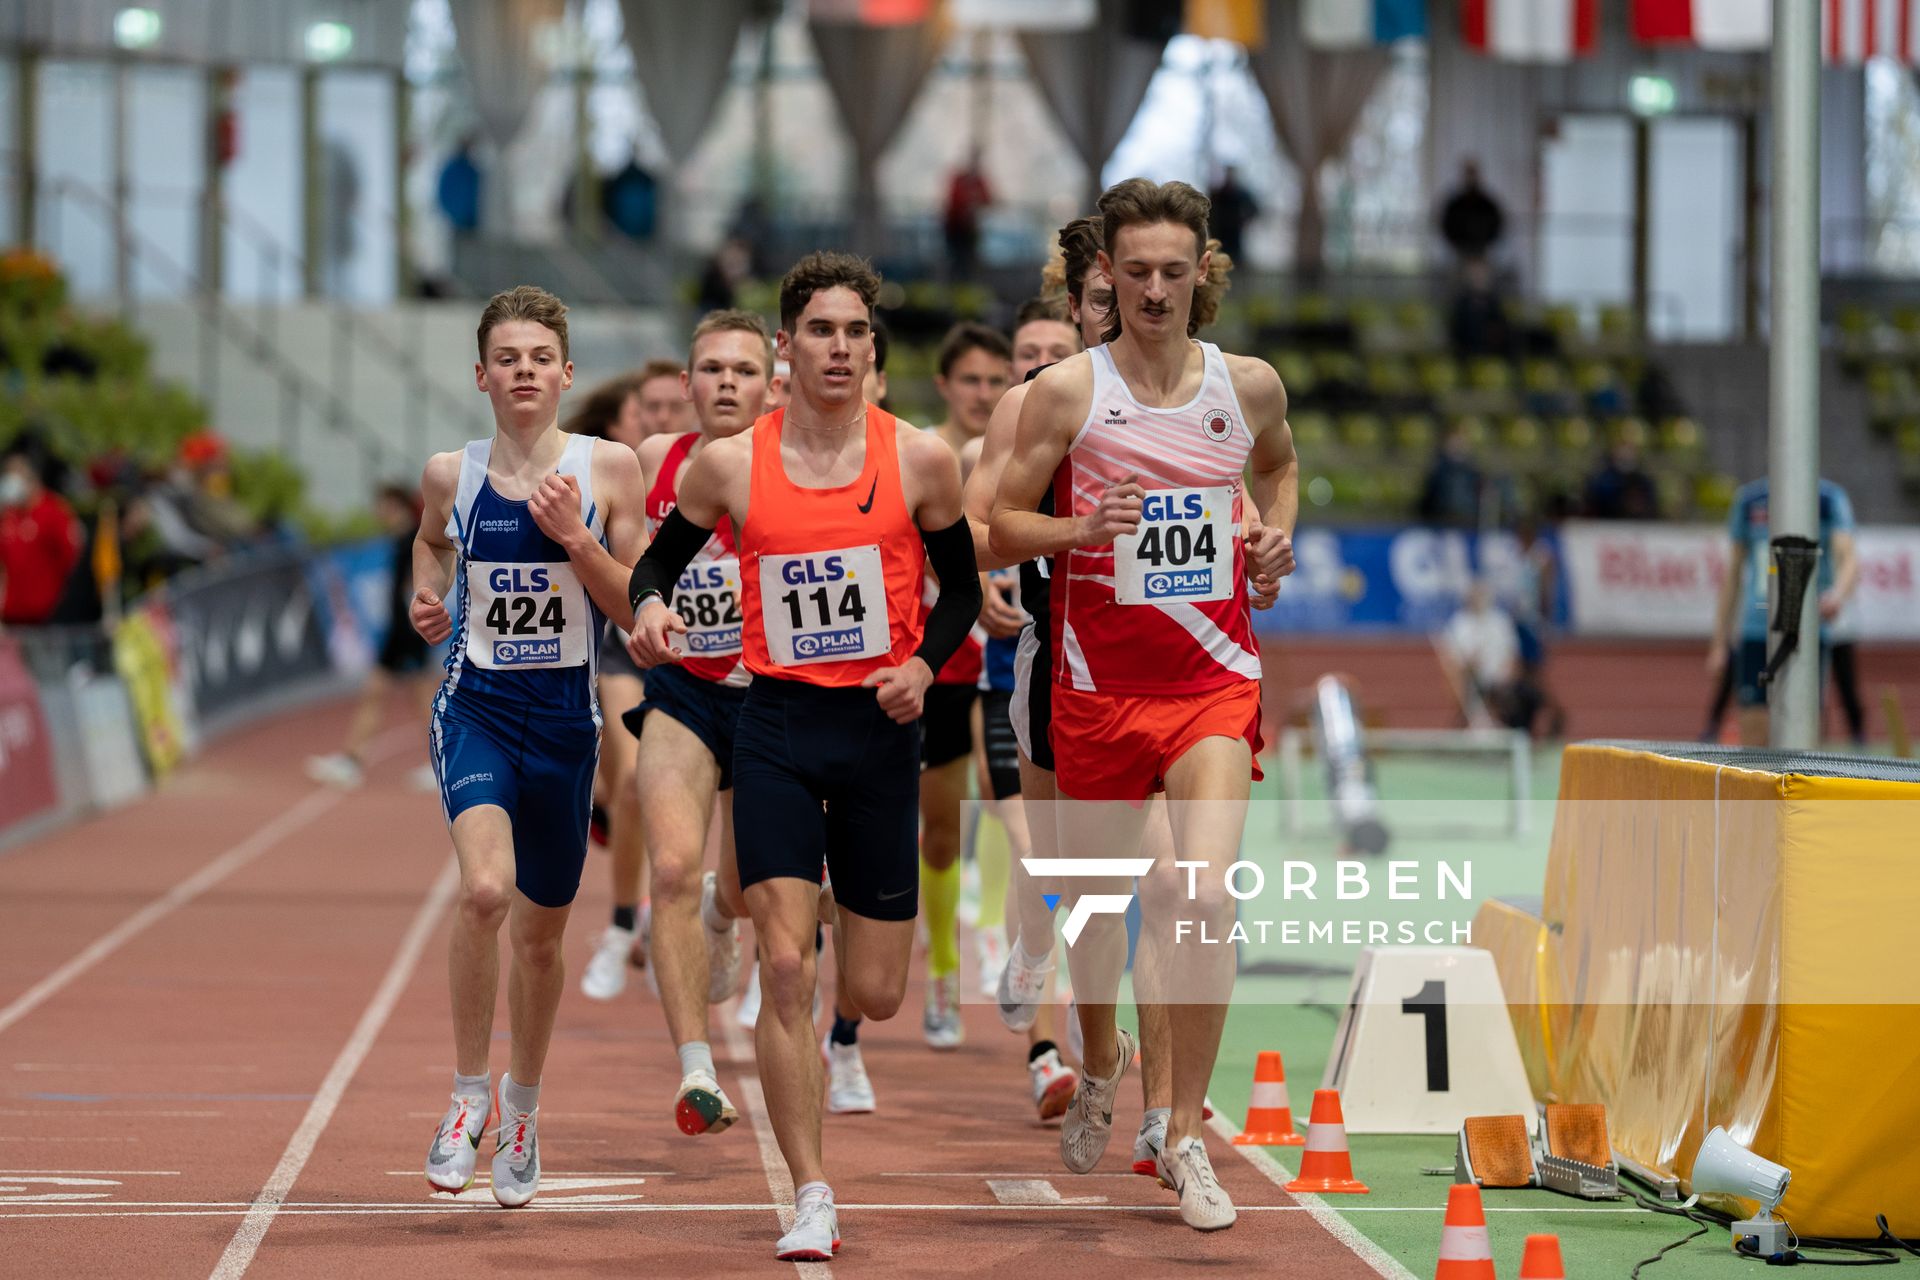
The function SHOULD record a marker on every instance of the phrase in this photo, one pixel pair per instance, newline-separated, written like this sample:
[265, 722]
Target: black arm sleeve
[668, 555]
[950, 550]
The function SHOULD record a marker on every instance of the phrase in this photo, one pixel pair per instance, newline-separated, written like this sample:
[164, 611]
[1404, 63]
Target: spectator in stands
[1738, 652]
[1233, 208]
[1451, 496]
[1478, 324]
[459, 189]
[1472, 220]
[1533, 603]
[40, 540]
[1621, 489]
[967, 196]
[1480, 655]
[730, 267]
[403, 657]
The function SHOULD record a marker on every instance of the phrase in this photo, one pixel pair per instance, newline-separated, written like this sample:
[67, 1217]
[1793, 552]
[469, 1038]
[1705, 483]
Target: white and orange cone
[1326, 1166]
[1269, 1116]
[1465, 1253]
[1541, 1261]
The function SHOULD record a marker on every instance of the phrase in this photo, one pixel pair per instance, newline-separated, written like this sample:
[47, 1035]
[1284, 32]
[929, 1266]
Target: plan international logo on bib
[827, 644]
[522, 653]
[728, 641]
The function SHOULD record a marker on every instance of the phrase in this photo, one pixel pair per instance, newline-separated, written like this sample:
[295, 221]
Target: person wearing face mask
[39, 542]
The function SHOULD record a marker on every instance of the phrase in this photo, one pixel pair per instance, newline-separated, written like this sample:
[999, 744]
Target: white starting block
[1425, 1042]
[1511, 745]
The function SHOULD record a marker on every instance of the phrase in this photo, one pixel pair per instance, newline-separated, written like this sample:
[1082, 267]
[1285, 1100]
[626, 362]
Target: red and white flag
[1860, 29]
[1852, 31]
[1531, 30]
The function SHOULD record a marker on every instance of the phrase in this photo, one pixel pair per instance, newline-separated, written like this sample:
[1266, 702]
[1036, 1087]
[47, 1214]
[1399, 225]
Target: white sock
[710, 913]
[696, 1055]
[1030, 960]
[520, 1097]
[480, 1086]
[814, 1191]
[1156, 1114]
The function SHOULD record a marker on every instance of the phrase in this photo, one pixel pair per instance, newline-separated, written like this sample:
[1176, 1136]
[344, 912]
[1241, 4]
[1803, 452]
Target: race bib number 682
[824, 606]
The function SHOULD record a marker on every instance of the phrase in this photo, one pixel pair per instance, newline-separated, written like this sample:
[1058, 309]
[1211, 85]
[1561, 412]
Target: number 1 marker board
[1425, 1042]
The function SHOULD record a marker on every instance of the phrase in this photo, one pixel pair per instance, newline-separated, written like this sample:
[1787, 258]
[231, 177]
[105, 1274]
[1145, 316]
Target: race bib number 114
[824, 606]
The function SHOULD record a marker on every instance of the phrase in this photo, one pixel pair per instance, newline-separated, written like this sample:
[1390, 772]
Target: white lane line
[1382, 1262]
[779, 1181]
[240, 1250]
[276, 829]
[103, 1173]
[319, 1208]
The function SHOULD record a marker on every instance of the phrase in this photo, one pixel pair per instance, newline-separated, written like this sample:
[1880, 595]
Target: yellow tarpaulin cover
[1719, 945]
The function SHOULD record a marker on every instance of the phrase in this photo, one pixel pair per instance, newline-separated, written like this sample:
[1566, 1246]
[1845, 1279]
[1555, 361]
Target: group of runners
[791, 605]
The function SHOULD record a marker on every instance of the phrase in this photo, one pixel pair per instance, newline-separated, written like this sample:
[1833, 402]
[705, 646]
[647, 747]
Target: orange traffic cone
[1541, 1261]
[1269, 1118]
[1464, 1251]
[1325, 1166]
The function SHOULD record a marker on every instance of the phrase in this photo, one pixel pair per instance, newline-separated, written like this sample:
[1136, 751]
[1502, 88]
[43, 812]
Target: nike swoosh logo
[867, 506]
[889, 897]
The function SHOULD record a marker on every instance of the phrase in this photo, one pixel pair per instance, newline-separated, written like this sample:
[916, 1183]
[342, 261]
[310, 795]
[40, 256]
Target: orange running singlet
[830, 577]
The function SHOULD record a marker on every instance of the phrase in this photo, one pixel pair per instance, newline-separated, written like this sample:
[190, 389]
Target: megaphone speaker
[1726, 1167]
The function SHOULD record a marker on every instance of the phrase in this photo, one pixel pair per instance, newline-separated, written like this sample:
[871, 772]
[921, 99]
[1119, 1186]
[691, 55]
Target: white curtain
[874, 74]
[504, 73]
[1093, 82]
[1316, 97]
[683, 53]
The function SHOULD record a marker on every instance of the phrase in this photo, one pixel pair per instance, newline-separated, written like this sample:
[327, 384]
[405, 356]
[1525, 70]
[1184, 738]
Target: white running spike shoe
[990, 946]
[1053, 1084]
[606, 974]
[816, 1232]
[1204, 1203]
[337, 770]
[702, 1106]
[941, 1024]
[1088, 1123]
[748, 1015]
[456, 1144]
[849, 1091]
[723, 945]
[516, 1155]
[1021, 988]
[1147, 1145]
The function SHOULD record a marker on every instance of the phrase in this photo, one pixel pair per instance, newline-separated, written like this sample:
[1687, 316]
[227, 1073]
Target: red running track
[224, 1045]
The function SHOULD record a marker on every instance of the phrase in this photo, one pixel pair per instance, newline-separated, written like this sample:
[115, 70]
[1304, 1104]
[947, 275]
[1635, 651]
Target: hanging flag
[1024, 15]
[871, 13]
[1711, 24]
[1241, 21]
[1349, 24]
[1531, 30]
[1860, 29]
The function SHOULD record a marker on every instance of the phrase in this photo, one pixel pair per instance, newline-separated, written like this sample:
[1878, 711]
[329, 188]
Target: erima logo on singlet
[520, 653]
[1115, 418]
[508, 524]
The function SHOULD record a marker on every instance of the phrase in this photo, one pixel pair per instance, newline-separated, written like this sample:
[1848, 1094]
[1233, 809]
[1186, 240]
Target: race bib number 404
[707, 599]
[523, 616]
[824, 606]
[1182, 552]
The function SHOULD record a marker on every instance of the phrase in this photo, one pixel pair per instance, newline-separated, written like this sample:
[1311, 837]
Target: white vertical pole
[1793, 699]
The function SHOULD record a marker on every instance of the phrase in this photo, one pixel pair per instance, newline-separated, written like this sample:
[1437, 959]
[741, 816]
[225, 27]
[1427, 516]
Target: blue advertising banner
[1407, 580]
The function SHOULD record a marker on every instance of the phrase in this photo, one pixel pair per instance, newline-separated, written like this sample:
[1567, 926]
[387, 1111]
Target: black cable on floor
[1695, 1234]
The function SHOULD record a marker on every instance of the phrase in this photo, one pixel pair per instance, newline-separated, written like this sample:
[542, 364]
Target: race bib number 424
[525, 616]
[824, 606]
[1182, 552]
